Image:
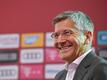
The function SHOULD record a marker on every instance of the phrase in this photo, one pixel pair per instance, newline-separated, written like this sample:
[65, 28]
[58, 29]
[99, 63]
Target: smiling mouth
[64, 45]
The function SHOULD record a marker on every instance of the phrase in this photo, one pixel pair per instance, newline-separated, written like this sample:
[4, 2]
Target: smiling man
[73, 37]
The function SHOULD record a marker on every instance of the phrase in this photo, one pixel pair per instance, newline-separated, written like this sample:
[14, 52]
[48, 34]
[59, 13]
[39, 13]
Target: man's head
[73, 34]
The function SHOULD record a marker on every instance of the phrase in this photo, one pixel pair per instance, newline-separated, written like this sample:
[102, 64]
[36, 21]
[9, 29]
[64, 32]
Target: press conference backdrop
[26, 48]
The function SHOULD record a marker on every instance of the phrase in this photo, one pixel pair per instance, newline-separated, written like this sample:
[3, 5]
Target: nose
[61, 38]
[60, 43]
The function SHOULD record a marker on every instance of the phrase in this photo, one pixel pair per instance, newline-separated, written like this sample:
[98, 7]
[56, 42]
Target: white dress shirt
[71, 68]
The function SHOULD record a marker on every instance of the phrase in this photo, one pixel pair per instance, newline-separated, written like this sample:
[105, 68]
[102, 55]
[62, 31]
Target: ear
[88, 35]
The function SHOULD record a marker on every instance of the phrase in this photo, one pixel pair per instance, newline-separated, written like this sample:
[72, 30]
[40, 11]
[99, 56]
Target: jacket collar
[84, 65]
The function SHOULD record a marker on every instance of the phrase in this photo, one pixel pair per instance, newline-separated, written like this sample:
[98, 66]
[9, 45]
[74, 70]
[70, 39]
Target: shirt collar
[77, 61]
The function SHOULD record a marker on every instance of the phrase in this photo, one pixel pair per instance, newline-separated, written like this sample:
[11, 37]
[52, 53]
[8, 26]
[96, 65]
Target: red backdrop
[36, 15]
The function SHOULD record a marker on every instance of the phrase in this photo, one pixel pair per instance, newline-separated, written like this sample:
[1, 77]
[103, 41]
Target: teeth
[64, 47]
[62, 50]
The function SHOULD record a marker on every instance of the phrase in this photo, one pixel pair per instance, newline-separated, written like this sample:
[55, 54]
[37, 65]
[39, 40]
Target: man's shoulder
[101, 60]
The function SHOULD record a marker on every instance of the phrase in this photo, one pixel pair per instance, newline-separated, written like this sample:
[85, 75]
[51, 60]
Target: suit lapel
[83, 67]
[64, 75]
[61, 75]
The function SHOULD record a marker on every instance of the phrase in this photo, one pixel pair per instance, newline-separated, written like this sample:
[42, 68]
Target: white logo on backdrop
[52, 69]
[49, 40]
[32, 55]
[9, 41]
[8, 72]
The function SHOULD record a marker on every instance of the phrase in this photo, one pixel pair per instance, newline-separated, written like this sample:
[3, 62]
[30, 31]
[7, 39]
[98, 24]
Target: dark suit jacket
[91, 68]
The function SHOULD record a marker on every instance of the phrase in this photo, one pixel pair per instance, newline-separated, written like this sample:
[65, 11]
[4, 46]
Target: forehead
[64, 24]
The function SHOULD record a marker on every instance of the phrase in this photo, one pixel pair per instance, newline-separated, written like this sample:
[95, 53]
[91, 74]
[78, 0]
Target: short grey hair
[81, 20]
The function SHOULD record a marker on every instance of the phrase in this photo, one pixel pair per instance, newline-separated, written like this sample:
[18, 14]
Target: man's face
[69, 40]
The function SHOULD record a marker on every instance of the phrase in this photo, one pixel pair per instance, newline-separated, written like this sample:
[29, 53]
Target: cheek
[78, 40]
[55, 44]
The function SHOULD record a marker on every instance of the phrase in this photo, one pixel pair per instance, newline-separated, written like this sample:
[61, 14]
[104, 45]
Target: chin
[64, 57]
[67, 57]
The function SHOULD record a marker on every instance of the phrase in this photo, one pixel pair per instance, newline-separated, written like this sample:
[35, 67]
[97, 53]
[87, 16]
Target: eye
[55, 35]
[67, 32]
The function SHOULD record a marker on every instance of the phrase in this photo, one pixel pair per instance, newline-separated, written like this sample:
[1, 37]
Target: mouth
[64, 46]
